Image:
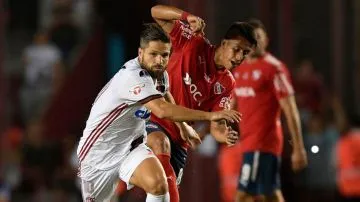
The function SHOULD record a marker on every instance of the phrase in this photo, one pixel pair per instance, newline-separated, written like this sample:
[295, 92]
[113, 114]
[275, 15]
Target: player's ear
[223, 42]
[140, 52]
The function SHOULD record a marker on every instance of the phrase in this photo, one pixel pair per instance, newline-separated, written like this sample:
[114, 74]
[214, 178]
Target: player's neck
[217, 59]
[256, 56]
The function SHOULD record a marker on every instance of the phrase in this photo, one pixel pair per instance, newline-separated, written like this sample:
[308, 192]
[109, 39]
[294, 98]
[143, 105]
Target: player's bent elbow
[154, 11]
[160, 113]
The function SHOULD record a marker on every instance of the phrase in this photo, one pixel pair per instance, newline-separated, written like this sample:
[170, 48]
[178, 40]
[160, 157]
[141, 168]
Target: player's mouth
[159, 68]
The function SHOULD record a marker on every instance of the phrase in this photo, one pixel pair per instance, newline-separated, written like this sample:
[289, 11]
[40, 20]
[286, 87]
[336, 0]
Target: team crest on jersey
[256, 74]
[137, 89]
[218, 88]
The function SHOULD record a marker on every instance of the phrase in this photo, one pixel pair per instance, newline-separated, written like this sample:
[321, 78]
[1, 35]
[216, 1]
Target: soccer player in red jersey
[263, 89]
[199, 78]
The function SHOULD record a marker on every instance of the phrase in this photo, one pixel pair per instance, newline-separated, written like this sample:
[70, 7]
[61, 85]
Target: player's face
[155, 57]
[234, 52]
[262, 42]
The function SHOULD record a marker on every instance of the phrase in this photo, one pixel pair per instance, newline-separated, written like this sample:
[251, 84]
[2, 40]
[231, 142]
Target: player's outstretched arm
[187, 132]
[165, 16]
[289, 107]
[166, 110]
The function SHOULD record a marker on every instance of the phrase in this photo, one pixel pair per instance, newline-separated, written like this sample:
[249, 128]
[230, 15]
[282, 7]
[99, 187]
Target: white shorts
[100, 185]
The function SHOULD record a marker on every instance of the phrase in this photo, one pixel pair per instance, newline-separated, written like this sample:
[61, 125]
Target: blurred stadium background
[55, 55]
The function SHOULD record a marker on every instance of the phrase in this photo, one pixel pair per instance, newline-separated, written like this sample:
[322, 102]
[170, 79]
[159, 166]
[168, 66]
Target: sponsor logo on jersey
[143, 113]
[245, 92]
[136, 90]
[185, 30]
[193, 88]
[225, 103]
[245, 76]
[218, 88]
[236, 75]
[256, 74]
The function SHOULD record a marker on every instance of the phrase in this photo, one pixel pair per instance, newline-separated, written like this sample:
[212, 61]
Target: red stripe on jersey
[90, 140]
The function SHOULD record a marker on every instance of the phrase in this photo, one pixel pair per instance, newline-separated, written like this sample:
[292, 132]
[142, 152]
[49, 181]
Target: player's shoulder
[227, 79]
[132, 68]
[275, 64]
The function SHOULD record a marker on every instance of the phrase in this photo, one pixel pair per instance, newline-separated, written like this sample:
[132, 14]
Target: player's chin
[158, 71]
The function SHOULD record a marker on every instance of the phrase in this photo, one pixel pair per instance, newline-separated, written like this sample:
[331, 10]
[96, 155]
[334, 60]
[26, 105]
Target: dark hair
[242, 29]
[152, 32]
[256, 23]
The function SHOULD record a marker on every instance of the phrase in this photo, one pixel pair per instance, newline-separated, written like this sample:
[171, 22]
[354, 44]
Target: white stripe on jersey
[281, 82]
[117, 117]
[94, 135]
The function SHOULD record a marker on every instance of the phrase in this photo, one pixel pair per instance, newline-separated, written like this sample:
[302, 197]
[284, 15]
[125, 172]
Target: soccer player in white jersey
[113, 143]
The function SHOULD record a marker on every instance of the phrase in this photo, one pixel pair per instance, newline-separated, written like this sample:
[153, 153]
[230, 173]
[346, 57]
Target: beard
[155, 71]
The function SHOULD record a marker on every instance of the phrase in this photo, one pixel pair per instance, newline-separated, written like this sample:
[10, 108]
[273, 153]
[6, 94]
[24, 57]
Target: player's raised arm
[165, 16]
[166, 110]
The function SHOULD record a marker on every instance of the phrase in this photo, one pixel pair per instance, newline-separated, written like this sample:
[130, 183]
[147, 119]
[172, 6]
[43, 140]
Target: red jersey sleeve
[282, 82]
[222, 101]
[180, 35]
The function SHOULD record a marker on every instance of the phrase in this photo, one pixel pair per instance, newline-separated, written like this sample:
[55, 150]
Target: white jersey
[118, 117]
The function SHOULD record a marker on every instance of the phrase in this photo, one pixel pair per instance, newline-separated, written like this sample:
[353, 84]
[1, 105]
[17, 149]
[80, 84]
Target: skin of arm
[288, 106]
[165, 16]
[166, 110]
[186, 131]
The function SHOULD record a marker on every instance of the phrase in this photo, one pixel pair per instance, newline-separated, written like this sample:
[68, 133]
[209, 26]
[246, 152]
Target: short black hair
[152, 32]
[242, 29]
[256, 23]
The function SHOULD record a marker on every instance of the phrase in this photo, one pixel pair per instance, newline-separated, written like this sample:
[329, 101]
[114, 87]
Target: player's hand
[189, 134]
[299, 159]
[231, 137]
[197, 25]
[229, 115]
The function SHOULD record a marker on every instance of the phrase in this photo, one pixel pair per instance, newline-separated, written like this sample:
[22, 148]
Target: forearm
[169, 98]
[179, 114]
[166, 13]
[294, 125]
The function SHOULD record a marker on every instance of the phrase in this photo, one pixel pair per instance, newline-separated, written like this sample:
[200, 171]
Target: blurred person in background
[199, 79]
[263, 89]
[348, 160]
[310, 90]
[39, 156]
[43, 76]
[113, 143]
[63, 32]
[229, 164]
[319, 178]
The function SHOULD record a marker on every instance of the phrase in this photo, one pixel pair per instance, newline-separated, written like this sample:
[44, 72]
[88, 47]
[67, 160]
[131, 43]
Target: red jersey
[195, 82]
[260, 85]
